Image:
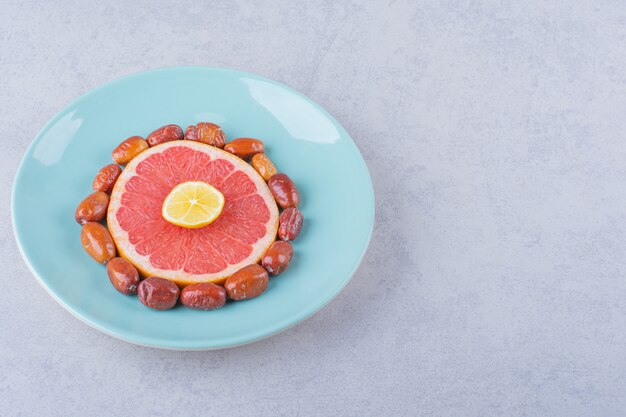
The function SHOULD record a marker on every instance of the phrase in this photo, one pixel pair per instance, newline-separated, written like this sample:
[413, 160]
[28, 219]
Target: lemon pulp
[193, 204]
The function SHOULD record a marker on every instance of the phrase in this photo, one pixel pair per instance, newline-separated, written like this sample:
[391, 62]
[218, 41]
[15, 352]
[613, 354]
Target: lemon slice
[193, 204]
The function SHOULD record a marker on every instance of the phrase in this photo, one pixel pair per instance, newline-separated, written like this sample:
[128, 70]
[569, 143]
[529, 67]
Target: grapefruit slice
[240, 235]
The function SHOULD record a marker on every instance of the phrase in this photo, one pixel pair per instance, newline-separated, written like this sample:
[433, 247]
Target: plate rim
[152, 342]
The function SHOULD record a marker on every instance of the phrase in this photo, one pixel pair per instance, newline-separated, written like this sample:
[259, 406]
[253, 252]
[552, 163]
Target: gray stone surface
[495, 135]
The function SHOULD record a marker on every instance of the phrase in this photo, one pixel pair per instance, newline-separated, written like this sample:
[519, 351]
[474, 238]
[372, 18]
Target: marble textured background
[495, 135]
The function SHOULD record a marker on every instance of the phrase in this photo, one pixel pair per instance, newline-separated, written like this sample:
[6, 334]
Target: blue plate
[301, 138]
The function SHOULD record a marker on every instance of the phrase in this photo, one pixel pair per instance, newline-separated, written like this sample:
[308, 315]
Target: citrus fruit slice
[240, 235]
[193, 204]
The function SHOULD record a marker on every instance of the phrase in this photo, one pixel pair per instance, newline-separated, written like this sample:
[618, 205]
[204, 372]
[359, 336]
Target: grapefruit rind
[180, 277]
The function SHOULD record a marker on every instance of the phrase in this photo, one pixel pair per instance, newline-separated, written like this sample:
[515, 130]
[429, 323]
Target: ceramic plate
[300, 137]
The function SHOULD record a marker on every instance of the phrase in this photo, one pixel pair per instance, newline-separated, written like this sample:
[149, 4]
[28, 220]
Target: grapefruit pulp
[240, 235]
